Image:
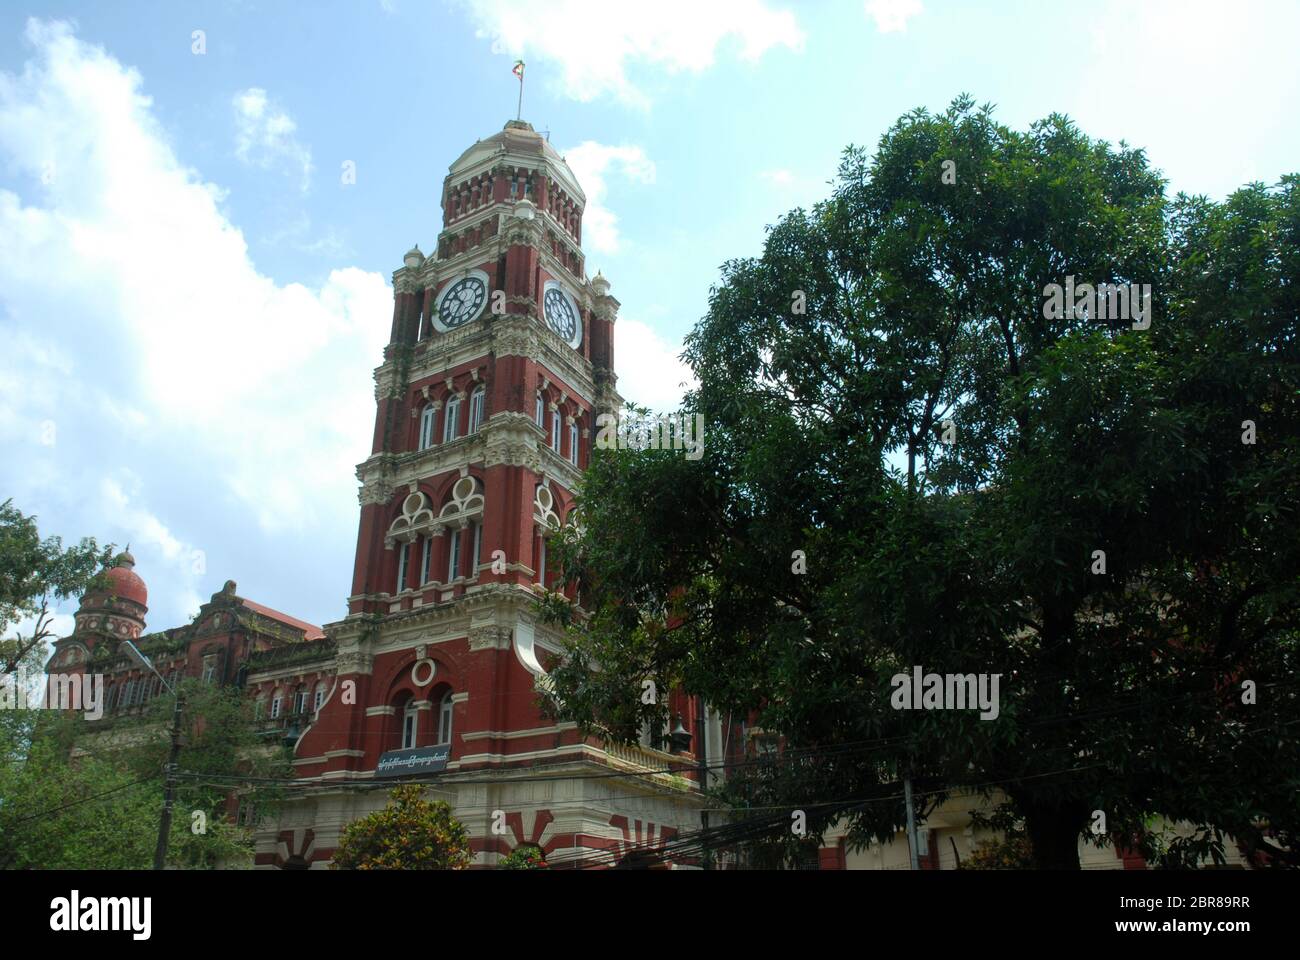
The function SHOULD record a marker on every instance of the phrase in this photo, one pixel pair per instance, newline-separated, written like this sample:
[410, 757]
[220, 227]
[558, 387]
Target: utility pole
[702, 713]
[169, 775]
[911, 820]
[169, 788]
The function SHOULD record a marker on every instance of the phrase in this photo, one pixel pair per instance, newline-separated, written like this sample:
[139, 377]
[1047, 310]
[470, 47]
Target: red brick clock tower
[500, 358]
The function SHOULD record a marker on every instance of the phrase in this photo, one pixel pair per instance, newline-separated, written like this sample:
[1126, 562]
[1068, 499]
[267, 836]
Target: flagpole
[518, 71]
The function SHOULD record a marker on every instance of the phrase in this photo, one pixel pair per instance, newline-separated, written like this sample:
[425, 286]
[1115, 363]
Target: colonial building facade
[500, 357]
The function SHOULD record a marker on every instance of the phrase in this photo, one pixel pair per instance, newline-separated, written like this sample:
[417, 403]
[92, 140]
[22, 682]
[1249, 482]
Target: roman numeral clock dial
[561, 313]
[461, 301]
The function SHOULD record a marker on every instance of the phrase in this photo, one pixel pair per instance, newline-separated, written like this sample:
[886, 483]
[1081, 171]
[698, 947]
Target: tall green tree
[35, 575]
[978, 484]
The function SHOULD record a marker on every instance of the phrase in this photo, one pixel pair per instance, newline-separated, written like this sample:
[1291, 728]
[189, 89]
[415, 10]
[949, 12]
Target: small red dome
[125, 584]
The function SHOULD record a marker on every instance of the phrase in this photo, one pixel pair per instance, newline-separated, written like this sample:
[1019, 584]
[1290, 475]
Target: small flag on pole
[518, 71]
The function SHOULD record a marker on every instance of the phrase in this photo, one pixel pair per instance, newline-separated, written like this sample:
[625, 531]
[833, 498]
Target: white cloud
[650, 371]
[155, 548]
[264, 135]
[592, 163]
[164, 332]
[891, 16]
[1226, 71]
[593, 42]
[778, 178]
[303, 237]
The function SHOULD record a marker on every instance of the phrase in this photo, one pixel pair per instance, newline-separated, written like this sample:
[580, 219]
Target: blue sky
[192, 302]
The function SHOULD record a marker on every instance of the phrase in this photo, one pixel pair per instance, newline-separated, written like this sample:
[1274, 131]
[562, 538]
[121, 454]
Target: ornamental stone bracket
[530, 639]
[375, 491]
[521, 232]
[354, 661]
[526, 650]
[387, 384]
[511, 439]
[490, 637]
[510, 339]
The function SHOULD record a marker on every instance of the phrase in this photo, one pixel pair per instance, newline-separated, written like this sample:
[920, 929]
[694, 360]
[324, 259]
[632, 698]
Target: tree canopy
[35, 575]
[1102, 512]
[83, 794]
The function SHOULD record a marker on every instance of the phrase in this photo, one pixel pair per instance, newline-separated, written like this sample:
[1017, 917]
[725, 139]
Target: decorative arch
[416, 514]
[464, 501]
[461, 503]
[545, 512]
[398, 676]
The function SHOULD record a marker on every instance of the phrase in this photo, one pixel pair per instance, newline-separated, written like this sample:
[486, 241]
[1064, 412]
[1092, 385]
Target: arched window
[401, 567]
[555, 430]
[452, 423]
[300, 700]
[540, 410]
[128, 694]
[477, 403]
[427, 419]
[110, 698]
[410, 725]
[319, 699]
[277, 701]
[259, 707]
[453, 557]
[444, 718]
[425, 555]
[573, 442]
[476, 557]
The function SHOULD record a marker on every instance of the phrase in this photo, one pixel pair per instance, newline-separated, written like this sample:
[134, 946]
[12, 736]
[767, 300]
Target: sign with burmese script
[412, 763]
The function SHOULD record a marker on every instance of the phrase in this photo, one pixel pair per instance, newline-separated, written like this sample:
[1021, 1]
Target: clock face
[561, 312]
[461, 301]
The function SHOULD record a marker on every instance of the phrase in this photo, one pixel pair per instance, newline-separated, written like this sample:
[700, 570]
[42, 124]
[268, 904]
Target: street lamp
[680, 738]
[169, 779]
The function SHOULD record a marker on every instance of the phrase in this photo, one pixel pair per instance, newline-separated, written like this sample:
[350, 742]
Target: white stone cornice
[518, 734]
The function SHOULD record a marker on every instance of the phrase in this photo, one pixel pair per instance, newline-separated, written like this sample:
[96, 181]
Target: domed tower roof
[125, 584]
[518, 139]
[116, 607]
